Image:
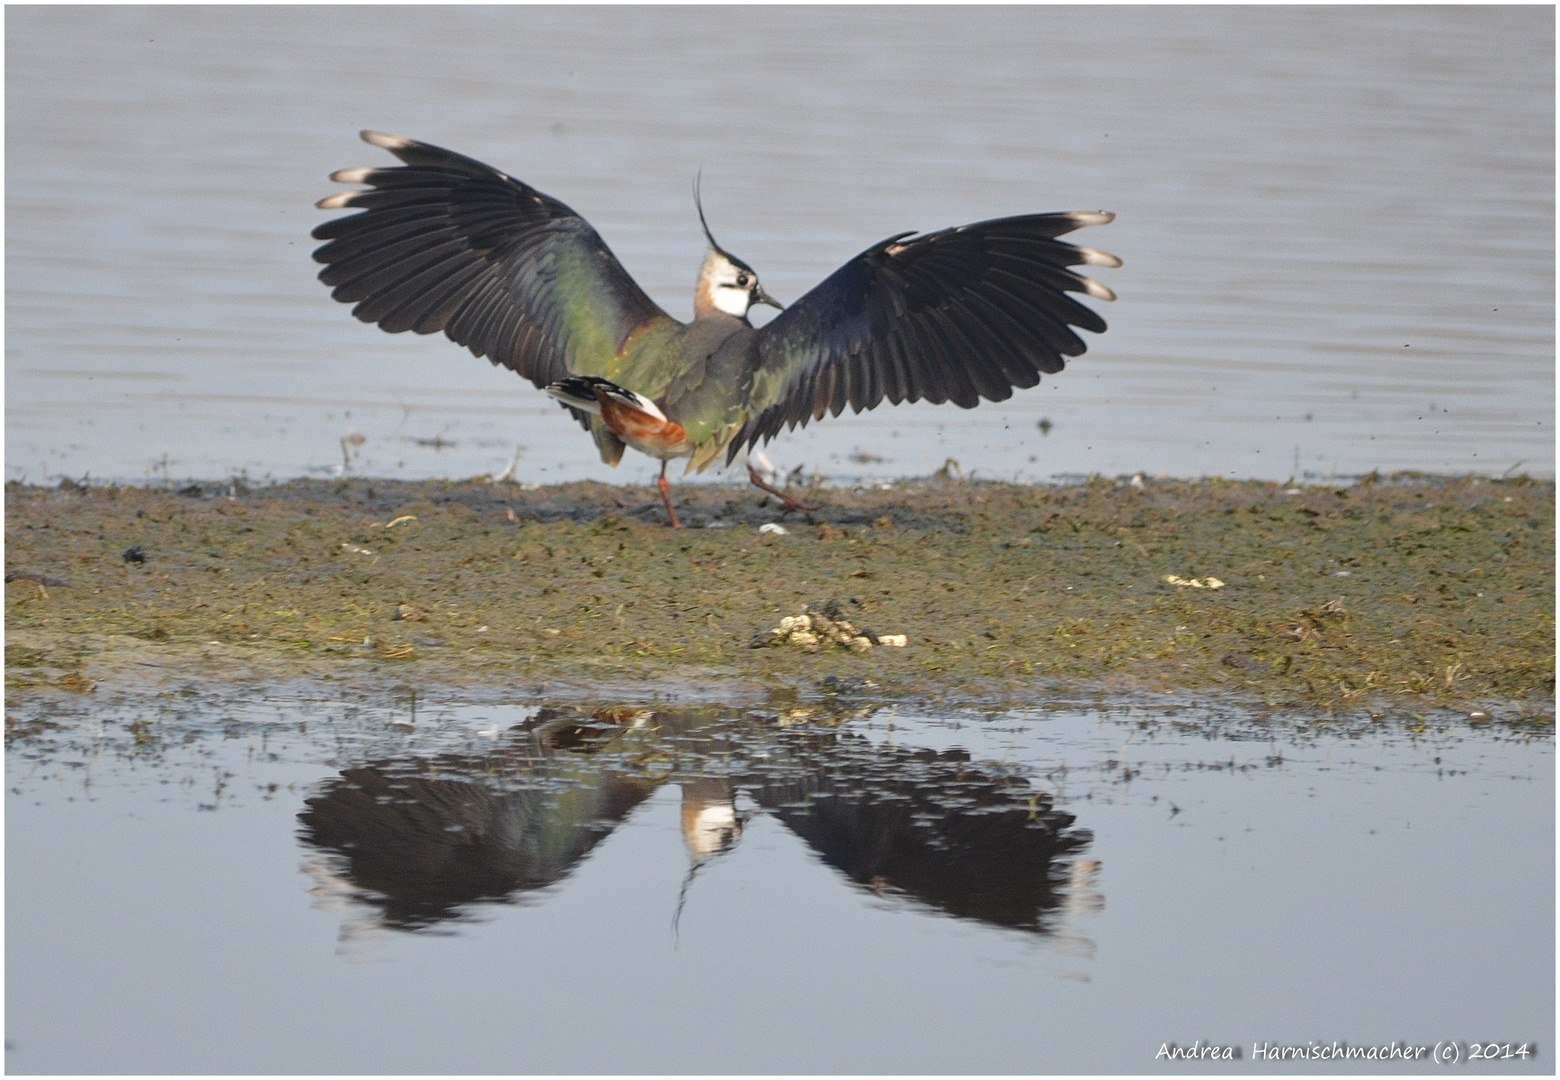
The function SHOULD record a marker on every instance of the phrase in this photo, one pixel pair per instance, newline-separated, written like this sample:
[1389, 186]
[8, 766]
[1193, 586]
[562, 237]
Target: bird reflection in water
[419, 843]
[710, 827]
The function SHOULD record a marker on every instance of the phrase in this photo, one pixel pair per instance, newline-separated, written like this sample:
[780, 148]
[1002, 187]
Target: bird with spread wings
[444, 242]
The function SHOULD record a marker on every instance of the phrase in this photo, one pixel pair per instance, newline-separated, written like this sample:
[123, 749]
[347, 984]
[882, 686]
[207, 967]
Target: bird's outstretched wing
[957, 315]
[448, 243]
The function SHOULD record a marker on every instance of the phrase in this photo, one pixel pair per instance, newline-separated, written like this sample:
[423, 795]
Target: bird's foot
[791, 503]
[666, 497]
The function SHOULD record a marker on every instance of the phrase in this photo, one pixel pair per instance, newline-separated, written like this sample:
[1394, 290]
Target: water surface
[1337, 223]
[313, 884]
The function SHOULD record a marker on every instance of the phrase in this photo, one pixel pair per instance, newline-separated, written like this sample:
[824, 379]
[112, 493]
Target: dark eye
[742, 281]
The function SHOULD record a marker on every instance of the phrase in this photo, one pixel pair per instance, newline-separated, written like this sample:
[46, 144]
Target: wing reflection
[419, 839]
[412, 843]
[931, 826]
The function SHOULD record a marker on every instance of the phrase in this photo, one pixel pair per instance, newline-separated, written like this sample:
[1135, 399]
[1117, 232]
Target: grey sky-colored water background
[1337, 224]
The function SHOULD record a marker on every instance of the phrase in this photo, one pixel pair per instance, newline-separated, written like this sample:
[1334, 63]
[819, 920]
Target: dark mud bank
[1388, 596]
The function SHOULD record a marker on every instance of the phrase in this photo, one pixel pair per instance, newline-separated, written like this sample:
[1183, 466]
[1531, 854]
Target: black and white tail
[579, 392]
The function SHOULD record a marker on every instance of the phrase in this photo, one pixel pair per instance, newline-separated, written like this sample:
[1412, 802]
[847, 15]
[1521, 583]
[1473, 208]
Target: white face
[731, 287]
[713, 829]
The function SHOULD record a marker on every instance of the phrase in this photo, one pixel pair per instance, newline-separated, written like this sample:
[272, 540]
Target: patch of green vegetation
[1390, 596]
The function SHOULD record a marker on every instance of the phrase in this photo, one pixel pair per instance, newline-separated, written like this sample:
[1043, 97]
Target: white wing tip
[351, 176]
[337, 201]
[1086, 256]
[1096, 290]
[388, 142]
[1082, 218]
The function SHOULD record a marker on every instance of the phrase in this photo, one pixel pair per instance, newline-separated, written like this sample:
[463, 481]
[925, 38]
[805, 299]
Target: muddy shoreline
[1388, 597]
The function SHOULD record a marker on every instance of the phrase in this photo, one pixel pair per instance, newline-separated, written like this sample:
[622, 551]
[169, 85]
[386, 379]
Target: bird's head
[726, 283]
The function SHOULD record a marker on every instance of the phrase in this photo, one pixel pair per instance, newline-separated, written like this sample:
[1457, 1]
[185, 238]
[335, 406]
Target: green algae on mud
[1390, 595]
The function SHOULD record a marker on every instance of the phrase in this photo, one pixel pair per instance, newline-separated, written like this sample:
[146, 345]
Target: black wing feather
[445, 242]
[958, 315]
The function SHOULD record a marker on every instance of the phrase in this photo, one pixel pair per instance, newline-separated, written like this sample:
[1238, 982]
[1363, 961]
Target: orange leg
[666, 496]
[782, 496]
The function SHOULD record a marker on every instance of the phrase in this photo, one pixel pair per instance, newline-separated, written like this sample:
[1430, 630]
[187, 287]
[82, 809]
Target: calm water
[311, 885]
[1337, 223]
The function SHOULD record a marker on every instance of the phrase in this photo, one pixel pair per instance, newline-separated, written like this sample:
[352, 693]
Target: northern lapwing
[445, 242]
